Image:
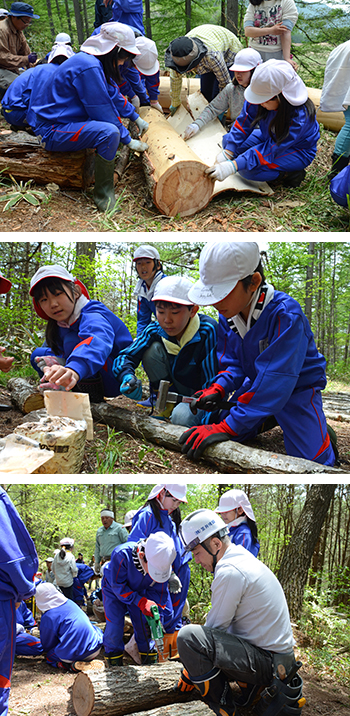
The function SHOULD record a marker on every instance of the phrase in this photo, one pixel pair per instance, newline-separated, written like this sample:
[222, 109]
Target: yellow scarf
[191, 330]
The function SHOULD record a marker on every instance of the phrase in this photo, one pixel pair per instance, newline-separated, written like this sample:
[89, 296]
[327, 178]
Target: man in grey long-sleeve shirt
[108, 536]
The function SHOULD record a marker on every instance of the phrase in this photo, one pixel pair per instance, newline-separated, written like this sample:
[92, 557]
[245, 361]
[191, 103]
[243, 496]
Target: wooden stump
[174, 173]
[22, 156]
[24, 396]
[128, 689]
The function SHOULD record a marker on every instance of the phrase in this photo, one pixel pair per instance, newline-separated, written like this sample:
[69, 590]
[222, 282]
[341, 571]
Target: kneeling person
[247, 636]
[179, 347]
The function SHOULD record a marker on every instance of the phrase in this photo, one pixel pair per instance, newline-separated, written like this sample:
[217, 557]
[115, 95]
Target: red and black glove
[195, 440]
[146, 605]
[184, 683]
[207, 399]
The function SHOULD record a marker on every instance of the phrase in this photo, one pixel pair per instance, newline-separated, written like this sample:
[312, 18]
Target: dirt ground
[157, 460]
[39, 690]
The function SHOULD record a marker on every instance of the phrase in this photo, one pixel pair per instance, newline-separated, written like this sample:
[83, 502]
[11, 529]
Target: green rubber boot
[103, 194]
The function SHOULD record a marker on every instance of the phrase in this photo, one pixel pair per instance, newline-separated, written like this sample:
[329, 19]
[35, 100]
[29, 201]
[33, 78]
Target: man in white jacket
[247, 636]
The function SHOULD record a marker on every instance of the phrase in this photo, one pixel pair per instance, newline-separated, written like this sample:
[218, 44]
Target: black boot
[216, 692]
[294, 179]
[114, 658]
[104, 196]
[339, 162]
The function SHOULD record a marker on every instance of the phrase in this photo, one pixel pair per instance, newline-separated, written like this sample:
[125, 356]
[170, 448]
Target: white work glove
[137, 146]
[175, 584]
[191, 130]
[155, 104]
[221, 157]
[135, 101]
[142, 125]
[219, 172]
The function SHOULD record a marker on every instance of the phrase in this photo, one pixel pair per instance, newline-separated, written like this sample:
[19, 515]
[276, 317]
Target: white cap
[176, 490]
[221, 265]
[107, 513]
[67, 542]
[146, 252]
[5, 284]
[128, 518]
[49, 559]
[160, 553]
[3, 12]
[173, 289]
[53, 271]
[246, 60]
[112, 34]
[235, 498]
[48, 597]
[59, 49]
[147, 61]
[63, 37]
[273, 77]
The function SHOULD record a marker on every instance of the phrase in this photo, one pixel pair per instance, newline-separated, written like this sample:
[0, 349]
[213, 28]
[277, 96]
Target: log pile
[25, 396]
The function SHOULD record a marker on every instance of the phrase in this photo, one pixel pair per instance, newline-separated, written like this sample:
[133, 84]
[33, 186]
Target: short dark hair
[171, 304]
[55, 285]
[281, 121]
[248, 279]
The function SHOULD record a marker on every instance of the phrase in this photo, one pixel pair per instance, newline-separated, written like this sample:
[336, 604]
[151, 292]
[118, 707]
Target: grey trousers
[201, 649]
[6, 77]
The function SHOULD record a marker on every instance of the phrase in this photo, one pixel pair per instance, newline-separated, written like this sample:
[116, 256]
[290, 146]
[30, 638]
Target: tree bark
[309, 281]
[22, 156]
[230, 457]
[296, 560]
[174, 174]
[78, 21]
[128, 689]
[24, 396]
[232, 16]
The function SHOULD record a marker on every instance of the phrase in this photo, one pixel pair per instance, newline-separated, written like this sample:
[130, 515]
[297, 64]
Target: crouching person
[247, 636]
[66, 633]
[134, 581]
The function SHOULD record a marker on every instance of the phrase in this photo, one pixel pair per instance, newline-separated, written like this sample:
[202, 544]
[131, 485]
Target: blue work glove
[32, 58]
[131, 387]
[195, 440]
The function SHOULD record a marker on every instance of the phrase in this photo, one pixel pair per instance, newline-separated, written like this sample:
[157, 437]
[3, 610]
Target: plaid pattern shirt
[222, 47]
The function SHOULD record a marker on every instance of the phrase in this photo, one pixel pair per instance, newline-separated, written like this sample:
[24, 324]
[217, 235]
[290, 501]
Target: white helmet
[200, 525]
[63, 37]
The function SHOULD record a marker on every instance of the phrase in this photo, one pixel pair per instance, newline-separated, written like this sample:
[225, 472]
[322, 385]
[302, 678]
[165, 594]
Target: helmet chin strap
[214, 556]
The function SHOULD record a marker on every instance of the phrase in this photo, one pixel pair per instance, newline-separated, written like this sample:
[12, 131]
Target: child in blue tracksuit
[66, 633]
[267, 353]
[85, 573]
[179, 347]
[129, 12]
[161, 513]
[15, 101]
[237, 513]
[26, 644]
[83, 337]
[135, 579]
[18, 565]
[150, 271]
[340, 187]
[77, 107]
[276, 134]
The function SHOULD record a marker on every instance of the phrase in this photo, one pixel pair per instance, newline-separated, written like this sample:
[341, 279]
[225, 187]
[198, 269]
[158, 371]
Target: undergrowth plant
[22, 191]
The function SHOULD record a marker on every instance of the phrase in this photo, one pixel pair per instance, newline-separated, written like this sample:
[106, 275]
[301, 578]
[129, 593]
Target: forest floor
[121, 453]
[306, 208]
[39, 690]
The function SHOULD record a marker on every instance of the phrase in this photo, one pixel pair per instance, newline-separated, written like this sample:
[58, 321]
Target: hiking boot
[114, 659]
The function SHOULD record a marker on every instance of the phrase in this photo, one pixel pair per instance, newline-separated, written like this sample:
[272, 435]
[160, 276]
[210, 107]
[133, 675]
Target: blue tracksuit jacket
[123, 586]
[18, 565]
[340, 187]
[130, 12]
[146, 87]
[193, 367]
[91, 344]
[295, 152]
[15, 101]
[67, 634]
[85, 573]
[285, 374]
[24, 616]
[241, 534]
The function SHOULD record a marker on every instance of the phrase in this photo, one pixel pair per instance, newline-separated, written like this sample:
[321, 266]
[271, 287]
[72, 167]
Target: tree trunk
[230, 457]
[232, 16]
[84, 268]
[309, 282]
[78, 21]
[188, 11]
[24, 396]
[294, 568]
[128, 689]
[174, 174]
[69, 20]
[49, 12]
[22, 156]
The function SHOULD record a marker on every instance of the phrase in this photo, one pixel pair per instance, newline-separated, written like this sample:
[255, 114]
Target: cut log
[24, 395]
[189, 85]
[22, 156]
[174, 174]
[195, 708]
[230, 457]
[128, 689]
[337, 406]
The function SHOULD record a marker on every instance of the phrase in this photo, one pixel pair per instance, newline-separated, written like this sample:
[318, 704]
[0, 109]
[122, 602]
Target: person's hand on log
[223, 156]
[61, 376]
[219, 172]
[184, 683]
[196, 440]
[173, 109]
[191, 130]
[135, 101]
[174, 584]
[142, 125]
[131, 387]
[137, 146]
[207, 399]
[47, 361]
[146, 605]
[5, 361]
[155, 104]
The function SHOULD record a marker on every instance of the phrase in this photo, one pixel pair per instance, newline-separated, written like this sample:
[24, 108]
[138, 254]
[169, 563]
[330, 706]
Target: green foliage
[22, 192]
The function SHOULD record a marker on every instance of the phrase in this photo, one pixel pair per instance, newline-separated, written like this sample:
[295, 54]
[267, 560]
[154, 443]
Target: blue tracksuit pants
[7, 650]
[287, 161]
[28, 645]
[178, 600]
[70, 137]
[16, 117]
